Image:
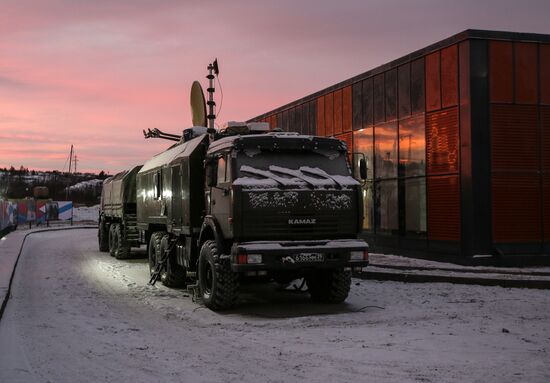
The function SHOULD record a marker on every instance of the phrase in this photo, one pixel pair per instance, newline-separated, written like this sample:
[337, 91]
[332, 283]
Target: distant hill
[83, 188]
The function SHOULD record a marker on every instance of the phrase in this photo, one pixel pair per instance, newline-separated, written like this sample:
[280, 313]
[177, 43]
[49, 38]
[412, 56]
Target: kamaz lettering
[302, 221]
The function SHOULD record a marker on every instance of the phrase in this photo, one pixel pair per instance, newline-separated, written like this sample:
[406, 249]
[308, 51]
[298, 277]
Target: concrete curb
[464, 280]
[10, 252]
[485, 270]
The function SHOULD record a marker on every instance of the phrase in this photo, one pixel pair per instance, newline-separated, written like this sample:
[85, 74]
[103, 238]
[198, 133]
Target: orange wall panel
[544, 73]
[449, 76]
[273, 121]
[545, 125]
[546, 207]
[329, 114]
[433, 82]
[515, 138]
[526, 71]
[320, 131]
[516, 200]
[347, 109]
[442, 141]
[501, 71]
[443, 203]
[348, 139]
[337, 112]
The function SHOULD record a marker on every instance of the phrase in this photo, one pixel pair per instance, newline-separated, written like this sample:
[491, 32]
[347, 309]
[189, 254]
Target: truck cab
[282, 206]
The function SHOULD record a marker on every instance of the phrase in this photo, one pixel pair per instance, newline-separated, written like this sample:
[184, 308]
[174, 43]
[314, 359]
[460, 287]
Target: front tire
[218, 285]
[103, 236]
[112, 239]
[330, 286]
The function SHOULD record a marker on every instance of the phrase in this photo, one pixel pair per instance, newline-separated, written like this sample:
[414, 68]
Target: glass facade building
[456, 137]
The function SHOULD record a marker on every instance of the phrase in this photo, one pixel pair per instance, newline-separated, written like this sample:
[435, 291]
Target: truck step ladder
[162, 264]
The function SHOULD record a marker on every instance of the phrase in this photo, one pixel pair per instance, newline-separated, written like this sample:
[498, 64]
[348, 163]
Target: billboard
[65, 209]
[40, 211]
[26, 210]
[8, 214]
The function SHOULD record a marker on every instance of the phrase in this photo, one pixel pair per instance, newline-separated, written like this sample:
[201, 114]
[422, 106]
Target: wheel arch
[151, 228]
[210, 230]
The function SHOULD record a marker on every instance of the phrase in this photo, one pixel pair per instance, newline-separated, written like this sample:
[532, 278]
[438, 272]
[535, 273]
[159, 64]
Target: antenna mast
[71, 159]
[69, 174]
[212, 70]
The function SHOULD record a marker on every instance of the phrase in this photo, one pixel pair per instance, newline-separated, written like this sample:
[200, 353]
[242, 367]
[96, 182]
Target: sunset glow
[96, 73]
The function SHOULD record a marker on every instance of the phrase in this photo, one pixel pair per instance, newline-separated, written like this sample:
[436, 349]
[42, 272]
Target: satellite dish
[198, 105]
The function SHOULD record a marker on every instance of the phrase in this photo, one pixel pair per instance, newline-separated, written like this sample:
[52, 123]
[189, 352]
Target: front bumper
[282, 255]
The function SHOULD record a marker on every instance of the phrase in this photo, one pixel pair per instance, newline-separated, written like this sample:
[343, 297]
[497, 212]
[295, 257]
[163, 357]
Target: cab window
[157, 180]
[221, 170]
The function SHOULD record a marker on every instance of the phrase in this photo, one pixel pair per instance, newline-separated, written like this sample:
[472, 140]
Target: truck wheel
[153, 250]
[112, 239]
[217, 283]
[173, 275]
[330, 286]
[103, 236]
[122, 250]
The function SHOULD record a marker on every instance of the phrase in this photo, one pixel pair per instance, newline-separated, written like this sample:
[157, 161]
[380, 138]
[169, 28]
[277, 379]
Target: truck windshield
[293, 163]
[293, 169]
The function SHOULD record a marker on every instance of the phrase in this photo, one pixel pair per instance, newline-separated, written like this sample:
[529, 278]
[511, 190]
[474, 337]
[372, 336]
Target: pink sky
[96, 73]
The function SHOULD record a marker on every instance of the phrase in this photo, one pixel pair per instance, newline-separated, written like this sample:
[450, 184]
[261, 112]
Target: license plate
[309, 257]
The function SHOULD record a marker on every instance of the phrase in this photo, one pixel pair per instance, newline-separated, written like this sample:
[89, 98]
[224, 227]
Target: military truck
[243, 203]
[117, 230]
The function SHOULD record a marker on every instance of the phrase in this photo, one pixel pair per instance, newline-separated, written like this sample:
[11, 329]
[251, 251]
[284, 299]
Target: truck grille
[280, 228]
[303, 215]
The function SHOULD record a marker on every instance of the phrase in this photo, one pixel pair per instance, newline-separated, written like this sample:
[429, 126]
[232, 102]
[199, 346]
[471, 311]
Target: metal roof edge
[454, 39]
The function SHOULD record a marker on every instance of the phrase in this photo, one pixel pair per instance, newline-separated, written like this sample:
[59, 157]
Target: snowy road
[78, 315]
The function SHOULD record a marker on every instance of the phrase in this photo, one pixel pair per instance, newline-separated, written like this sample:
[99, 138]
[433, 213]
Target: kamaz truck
[117, 231]
[219, 209]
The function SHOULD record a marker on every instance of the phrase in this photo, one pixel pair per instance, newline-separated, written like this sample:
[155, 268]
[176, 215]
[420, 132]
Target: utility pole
[69, 175]
[70, 159]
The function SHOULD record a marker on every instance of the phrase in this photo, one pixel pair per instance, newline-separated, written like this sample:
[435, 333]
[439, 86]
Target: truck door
[220, 197]
[177, 205]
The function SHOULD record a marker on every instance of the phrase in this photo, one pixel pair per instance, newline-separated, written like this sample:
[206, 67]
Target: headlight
[254, 258]
[359, 255]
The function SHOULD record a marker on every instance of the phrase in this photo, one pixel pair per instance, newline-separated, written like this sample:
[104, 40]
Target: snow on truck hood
[304, 177]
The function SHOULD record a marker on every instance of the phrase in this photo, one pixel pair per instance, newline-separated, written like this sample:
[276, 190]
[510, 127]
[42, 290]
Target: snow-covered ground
[80, 315]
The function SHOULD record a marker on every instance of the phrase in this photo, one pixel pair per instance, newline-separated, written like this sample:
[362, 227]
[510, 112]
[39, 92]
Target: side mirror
[363, 169]
[211, 173]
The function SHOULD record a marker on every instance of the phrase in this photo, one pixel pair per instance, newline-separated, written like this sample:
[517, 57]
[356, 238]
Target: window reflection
[385, 138]
[412, 147]
[386, 209]
[221, 170]
[362, 146]
[415, 205]
[394, 195]
[368, 206]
